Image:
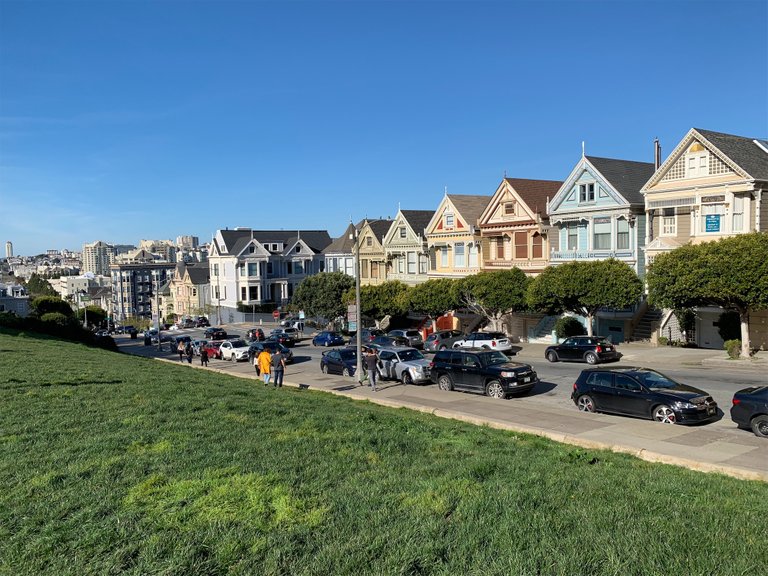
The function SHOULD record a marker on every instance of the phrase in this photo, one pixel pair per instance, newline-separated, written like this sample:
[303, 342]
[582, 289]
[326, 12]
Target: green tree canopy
[585, 287]
[47, 304]
[321, 294]
[731, 273]
[493, 294]
[39, 286]
[96, 315]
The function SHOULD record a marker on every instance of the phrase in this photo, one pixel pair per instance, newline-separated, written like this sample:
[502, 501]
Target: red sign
[276, 314]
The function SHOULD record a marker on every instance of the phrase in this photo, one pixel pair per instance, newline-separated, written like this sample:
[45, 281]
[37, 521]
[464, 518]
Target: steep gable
[464, 212]
[519, 199]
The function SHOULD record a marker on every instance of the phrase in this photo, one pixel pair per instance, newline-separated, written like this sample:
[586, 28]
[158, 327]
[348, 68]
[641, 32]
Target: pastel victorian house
[712, 186]
[340, 254]
[405, 247]
[513, 226]
[599, 212]
[373, 260]
[453, 237]
[190, 289]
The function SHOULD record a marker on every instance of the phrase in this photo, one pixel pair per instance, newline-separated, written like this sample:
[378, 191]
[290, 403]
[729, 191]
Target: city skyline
[129, 120]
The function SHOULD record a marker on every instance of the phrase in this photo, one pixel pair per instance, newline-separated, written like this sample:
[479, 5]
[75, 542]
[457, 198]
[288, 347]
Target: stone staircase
[542, 332]
[647, 324]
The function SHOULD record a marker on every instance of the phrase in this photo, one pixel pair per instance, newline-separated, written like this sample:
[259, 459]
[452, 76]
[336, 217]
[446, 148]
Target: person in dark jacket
[203, 357]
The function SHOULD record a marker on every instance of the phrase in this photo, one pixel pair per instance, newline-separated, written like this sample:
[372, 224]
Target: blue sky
[124, 120]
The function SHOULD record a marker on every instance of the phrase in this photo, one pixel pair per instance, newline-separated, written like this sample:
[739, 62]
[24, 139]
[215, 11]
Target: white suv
[234, 350]
[487, 340]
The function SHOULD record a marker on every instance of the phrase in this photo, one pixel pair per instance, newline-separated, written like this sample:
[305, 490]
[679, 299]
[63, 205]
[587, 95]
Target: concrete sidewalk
[716, 447]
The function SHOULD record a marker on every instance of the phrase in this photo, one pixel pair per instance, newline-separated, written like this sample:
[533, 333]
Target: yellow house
[373, 259]
[453, 237]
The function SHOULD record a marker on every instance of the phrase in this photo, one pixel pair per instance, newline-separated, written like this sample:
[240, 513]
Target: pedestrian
[203, 357]
[180, 350]
[264, 363]
[371, 360]
[278, 367]
[189, 352]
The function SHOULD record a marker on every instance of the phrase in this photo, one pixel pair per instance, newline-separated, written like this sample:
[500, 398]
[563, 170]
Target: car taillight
[432, 364]
[599, 348]
[574, 386]
[493, 342]
[736, 401]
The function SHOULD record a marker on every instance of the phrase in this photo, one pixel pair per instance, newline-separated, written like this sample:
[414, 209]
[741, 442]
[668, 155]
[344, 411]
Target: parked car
[131, 331]
[255, 347]
[386, 341]
[413, 336]
[213, 348]
[255, 334]
[339, 361]
[366, 335]
[293, 333]
[188, 323]
[442, 339]
[209, 332]
[101, 333]
[750, 409]
[280, 337]
[487, 340]
[198, 345]
[184, 339]
[328, 338]
[202, 322]
[233, 350]
[643, 393]
[487, 372]
[589, 349]
[407, 365]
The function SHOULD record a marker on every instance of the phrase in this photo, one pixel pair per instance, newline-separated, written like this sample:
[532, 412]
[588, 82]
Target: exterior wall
[405, 251]
[135, 288]
[340, 263]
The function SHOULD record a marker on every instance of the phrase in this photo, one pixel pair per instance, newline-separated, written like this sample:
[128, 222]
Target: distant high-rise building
[188, 242]
[9, 249]
[165, 248]
[97, 258]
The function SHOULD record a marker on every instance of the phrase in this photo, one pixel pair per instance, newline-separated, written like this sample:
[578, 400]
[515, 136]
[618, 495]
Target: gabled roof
[469, 206]
[380, 228]
[417, 219]
[236, 240]
[626, 176]
[343, 244]
[743, 151]
[198, 274]
[535, 193]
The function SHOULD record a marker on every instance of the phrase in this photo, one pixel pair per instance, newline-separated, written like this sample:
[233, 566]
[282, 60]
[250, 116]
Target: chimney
[656, 153]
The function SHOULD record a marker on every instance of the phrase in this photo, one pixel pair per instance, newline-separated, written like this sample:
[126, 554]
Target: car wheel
[760, 426]
[345, 372]
[494, 389]
[585, 403]
[591, 358]
[232, 357]
[444, 383]
[664, 414]
[552, 356]
[407, 378]
[324, 369]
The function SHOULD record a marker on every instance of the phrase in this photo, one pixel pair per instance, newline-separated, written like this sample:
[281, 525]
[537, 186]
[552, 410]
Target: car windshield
[408, 355]
[495, 357]
[655, 380]
[348, 354]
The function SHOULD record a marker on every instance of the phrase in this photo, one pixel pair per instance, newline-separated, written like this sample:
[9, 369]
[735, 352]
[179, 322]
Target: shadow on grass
[24, 384]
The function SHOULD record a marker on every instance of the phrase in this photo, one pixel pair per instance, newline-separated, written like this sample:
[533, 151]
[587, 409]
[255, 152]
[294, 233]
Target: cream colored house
[405, 247]
[373, 260]
[453, 236]
[190, 290]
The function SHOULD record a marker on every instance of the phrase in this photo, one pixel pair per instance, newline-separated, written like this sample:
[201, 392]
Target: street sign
[352, 313]
[352, 327]
[276, 314]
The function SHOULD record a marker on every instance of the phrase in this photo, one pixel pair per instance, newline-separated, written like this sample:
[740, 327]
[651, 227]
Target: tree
[380, 300]
[321, 294]
[493, 294]
[433, 297]
[47, 304]
[585, 287]
[96, 315]
[38, 286]
[731, 273]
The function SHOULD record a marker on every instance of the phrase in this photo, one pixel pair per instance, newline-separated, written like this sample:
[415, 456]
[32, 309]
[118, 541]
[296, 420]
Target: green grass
[111, 464]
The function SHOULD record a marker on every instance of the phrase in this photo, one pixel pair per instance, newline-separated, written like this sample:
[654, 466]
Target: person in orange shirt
[264, 361]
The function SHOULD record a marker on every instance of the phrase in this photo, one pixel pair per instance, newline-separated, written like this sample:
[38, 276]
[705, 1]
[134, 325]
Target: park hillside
[113, 464]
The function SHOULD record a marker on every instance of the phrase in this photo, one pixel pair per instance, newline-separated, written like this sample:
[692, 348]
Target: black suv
[488, 372]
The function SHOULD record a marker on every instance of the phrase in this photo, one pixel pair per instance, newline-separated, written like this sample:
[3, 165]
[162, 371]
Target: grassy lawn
[112, 464]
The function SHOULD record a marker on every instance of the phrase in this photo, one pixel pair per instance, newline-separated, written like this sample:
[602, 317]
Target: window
[253, 269]
[423, 262]
[241, 270]
[364, 265]
[572, 233]
[509, 208]
[374, 270]
[215, 269]
[290, 267]
[242, 294]
[402, 231]
[738, 214]
[601, 234]
[194, 291]
[697, 165]
[411, 262]
[269, 267]
[400, 264]
[668, 222]
[444, 257]
[449, 220]
[586, 193]
[298, 249]
[500, 248]
[369, 241]
[521, 245]
[622, 234]
[298, 267]
[538, 246]
[458, 255]
[473, 249]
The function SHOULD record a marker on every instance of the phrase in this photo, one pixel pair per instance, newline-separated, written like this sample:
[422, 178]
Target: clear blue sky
[123, 120]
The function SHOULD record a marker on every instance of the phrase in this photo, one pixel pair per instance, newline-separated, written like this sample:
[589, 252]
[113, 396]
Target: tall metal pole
[358, 315]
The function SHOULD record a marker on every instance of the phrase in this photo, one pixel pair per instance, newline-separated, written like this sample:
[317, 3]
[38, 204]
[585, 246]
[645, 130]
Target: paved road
[548, 410]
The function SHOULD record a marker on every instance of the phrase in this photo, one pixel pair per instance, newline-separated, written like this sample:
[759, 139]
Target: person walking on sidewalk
[278, 368]
[203, 357]
[180, 350]
[264, 363]
[371, 360]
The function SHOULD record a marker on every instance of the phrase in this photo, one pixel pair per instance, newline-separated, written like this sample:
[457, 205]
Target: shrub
[57, 318]
[729, 325]
[733, 347]
[568, 326]
[663, 340]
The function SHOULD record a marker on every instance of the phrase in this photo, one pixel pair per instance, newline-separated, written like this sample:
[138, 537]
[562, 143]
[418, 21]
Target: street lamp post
[358, 315]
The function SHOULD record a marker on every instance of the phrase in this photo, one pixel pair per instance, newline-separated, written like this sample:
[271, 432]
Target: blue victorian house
[599, 213]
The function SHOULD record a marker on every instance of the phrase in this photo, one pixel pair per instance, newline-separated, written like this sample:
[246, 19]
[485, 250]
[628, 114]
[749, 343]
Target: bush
[663, 340]
[733, 347]
[568, 326]
[57, 318]
[729, 325]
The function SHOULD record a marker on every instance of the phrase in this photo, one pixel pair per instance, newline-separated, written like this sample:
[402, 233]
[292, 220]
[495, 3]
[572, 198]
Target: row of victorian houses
[712, 185]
